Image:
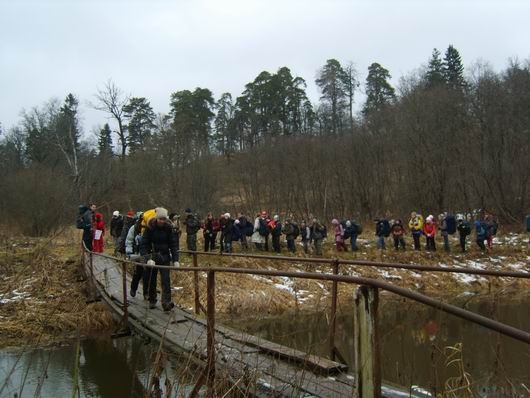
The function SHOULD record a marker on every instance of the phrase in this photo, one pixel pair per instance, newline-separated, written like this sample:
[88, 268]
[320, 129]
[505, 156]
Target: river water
[107, 368]
[423, 346]
[417, 344]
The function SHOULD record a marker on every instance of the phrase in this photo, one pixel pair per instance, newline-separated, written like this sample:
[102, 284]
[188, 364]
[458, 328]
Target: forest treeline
[441, 140]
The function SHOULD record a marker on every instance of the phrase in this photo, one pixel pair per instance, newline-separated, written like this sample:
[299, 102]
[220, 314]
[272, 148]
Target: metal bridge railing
[366, 297]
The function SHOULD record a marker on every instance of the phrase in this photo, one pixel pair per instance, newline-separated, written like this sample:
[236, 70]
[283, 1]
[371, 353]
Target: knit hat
[276, 217]
[160, 213]
[131, 213]
[226, 215]
[188, 210]
[430, 217]
[115, 213]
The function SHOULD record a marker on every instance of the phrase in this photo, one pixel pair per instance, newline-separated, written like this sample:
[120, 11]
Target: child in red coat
[99, 232]
[429, 230]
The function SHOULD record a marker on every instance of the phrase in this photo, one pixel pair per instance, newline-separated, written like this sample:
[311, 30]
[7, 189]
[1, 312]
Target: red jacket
[99, 223]
[429, 229]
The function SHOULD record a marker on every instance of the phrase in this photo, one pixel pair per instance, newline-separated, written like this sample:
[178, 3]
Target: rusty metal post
[333, 315]
[91, 266]
[196, 284]
[210, 336]
[366, 343]
[124, 286]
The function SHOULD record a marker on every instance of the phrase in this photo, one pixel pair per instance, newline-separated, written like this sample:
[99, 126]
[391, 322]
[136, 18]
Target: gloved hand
[151, 262]
[176, 264]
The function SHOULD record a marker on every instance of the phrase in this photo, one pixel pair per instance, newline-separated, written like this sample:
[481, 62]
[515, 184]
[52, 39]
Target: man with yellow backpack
[416, 228]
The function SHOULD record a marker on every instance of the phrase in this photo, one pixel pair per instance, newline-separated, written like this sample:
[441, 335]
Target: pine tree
[454, 69]
[435, 75]
[225, 132]
[105, 141]
[379, 92]
[331, 80]
[140, 117]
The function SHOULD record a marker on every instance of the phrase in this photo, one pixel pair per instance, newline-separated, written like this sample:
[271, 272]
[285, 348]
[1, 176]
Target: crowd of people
[154, 237]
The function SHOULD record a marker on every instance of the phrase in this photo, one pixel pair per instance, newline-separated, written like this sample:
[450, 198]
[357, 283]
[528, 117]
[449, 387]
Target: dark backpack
[263, 230]
[385, 228]
[193, 224]
[527, 223]
[481, 229]
[296, 230]
[465, 229]
[450, 223]
[80, 221]
[358, 227]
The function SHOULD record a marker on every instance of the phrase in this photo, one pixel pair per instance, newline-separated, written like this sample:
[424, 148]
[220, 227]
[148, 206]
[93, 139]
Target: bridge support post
[366, 341]
[196, 284]
[210, 334]
[333, 315]
[124, 288]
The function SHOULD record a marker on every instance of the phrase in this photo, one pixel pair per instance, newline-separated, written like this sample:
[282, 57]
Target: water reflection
[418, 342]
[107, 368]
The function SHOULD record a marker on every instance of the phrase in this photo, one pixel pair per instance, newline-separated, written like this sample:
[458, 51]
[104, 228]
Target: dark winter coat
[116, 226]
[288, 231]
[159, 241]
[227, 229]
[127, 224]
[192, 224]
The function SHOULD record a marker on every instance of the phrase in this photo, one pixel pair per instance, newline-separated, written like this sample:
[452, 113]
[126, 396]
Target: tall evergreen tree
[141, 122]
[435, 75]
[330, 80]
[454, 69]
[225, 133]
[105, 141]
[350, 86]
[192, 115]
[379, 92]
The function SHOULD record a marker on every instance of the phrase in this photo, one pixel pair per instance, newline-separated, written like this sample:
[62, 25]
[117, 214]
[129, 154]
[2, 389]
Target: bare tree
[111, 100]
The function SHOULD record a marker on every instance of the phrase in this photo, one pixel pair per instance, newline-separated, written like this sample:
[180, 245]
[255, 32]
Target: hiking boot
[168, 306]
[133, 293]
[152, 305]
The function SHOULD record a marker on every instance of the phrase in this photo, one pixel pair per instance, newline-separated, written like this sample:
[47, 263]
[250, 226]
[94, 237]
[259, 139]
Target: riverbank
[45, 298]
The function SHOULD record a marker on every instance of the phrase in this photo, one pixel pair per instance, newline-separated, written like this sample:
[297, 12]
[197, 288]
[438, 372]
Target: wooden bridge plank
[274, 368]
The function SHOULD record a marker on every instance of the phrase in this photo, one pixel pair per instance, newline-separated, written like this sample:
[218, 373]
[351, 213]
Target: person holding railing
[159, 244]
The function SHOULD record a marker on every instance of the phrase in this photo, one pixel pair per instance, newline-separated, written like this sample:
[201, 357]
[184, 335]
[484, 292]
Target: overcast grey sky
[154, 48]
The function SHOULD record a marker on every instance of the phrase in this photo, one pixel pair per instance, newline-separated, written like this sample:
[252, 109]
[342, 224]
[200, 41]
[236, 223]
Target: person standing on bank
[99, 233]
[87, 220]
[159, 244]
[416, 228]
[116, 227]
[192, 227]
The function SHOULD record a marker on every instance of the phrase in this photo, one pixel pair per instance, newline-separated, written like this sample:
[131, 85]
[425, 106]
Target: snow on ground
[13, 296]
[387, 275]
[287, 285]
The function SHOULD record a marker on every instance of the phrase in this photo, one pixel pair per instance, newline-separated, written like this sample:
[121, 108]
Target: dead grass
[44, 294]
[45, 273]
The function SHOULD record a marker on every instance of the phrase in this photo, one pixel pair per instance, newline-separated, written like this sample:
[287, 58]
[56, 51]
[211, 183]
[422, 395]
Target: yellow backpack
[148, 214]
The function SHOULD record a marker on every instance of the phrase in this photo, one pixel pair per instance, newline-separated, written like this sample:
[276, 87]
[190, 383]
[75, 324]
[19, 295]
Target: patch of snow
[465, 294]
[475, 264]
[415, 274]
[387, 275]
[465, 278]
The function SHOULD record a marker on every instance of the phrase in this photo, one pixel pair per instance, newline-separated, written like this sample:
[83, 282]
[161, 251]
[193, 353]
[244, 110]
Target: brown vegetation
[53, 304]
